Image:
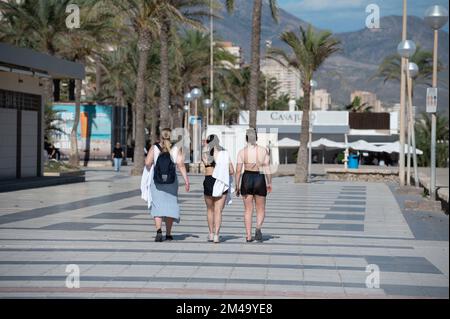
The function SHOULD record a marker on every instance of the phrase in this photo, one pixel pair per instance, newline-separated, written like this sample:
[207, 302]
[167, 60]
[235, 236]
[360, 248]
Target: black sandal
[159, 237]
[169, 237]
[258, 235]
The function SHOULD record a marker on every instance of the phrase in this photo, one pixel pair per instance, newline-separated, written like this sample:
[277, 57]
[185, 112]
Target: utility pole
[403, 101]
[211, 26]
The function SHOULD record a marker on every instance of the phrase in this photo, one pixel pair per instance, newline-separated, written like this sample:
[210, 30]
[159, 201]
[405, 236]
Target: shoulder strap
[158, 146]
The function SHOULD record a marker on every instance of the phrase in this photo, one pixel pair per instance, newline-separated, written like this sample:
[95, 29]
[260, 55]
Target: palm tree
[423, 135]
[358, 107]
[255, 66]
[191, 56]
[37, 25]
[79, 44]
[236, 85]
[390, 68]
[190, 13]
[144, 17]
[43, 25]
[52, 122]
[310, 50]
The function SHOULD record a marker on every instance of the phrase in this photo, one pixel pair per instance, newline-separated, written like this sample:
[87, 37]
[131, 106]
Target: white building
[236, 51]
[321, 100]
[22, 107]
[368, 98]
[280, 131]
[289, 79]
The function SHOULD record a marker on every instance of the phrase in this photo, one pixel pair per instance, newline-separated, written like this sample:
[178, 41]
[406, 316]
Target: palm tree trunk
[154, 123]
[98, 77]
[144, 48]
[255, 62]
[301, 169]
[164, 81]
[129, 121]
[74, 157]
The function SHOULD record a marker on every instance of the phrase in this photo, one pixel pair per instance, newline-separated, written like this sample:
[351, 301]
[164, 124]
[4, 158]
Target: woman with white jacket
[162, 198]
[218, 184]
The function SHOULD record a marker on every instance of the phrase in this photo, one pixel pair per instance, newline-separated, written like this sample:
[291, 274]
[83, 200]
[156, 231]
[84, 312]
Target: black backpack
[165, 172]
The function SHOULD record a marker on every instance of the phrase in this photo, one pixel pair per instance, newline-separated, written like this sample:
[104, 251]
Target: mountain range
[353, 67]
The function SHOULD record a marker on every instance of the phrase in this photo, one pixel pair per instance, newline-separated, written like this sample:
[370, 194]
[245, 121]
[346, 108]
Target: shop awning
[395, 148]
[362, 145]
[327, 144]
[288, 143]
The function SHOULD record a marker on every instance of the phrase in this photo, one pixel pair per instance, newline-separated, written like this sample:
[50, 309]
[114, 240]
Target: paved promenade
[318, 241]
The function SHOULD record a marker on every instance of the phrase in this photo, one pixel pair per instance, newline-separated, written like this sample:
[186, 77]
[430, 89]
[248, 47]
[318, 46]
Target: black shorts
[253, 183]
[208, 186]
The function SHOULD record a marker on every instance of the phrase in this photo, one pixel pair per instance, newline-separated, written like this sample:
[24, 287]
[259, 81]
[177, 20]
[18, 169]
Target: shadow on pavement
[227, 238]
[184, 237]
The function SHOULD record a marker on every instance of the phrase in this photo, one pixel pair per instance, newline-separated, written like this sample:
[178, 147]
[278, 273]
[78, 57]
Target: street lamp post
[313, 85]
[196, 94]
[186, 116]
[223, 107]
[207, 103]
[402, 114]
[406, 50]
[188, 99]
[266, 106]
[211, 57]
[436, 17]
[412, 70]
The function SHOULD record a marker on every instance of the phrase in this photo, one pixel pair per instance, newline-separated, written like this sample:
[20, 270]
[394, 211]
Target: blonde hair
[166, 136]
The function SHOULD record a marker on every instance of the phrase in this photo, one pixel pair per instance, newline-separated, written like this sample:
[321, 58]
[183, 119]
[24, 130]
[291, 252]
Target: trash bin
[353, 161]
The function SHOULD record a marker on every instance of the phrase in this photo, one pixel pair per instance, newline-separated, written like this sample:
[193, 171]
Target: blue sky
[350, 15]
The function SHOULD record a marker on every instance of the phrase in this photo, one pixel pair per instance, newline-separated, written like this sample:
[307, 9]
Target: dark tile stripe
[403, 290]
[55, 209]
[187, 251]
[196, 242]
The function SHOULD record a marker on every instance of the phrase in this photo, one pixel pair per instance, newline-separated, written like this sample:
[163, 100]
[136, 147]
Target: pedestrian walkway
[319, 240]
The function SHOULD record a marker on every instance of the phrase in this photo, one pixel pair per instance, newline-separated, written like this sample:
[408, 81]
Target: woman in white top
[164, 204]
[214, 205]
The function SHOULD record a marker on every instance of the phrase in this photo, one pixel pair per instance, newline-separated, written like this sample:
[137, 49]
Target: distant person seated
[53, 152]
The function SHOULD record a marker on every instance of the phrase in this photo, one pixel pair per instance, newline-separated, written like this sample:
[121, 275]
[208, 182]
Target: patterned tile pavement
[319, 240]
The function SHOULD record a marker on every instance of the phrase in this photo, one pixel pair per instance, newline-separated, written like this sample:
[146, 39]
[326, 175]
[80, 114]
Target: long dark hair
[213, 143]
[251, 136]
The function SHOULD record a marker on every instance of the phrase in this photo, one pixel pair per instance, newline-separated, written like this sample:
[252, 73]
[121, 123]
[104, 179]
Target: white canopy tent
[395, 148]
[362, 145]
[288, 143]
[326, 144]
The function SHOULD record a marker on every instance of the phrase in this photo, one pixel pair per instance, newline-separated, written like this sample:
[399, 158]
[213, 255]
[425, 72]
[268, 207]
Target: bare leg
[248, 204]
[219, 204]
[169, 224]
[209, 201]
[260, 211]
[158, 223]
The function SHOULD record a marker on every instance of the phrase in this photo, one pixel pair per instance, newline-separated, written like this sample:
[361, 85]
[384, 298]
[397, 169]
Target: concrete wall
[8, 143]
[10, 82]
[29, 131]
[29, 143]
